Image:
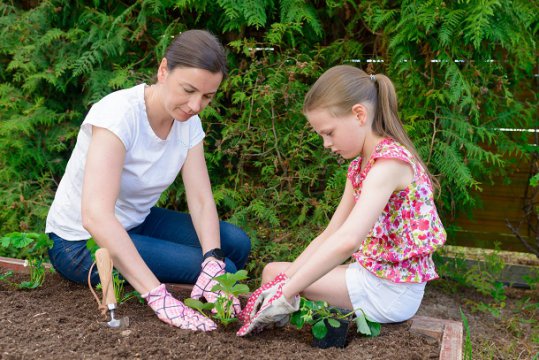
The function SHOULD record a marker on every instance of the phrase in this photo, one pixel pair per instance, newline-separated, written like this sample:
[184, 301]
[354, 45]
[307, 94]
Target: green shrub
[269, 171]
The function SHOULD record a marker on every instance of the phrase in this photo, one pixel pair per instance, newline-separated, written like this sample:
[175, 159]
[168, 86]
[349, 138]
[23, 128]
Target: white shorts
[382, 300]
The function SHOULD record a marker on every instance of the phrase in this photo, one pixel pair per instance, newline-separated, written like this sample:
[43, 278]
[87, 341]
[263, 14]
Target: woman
[130, 148]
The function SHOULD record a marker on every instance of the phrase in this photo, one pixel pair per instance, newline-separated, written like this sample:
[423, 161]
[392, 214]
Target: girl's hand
[274, 310]
[258, 296]
[175, 313]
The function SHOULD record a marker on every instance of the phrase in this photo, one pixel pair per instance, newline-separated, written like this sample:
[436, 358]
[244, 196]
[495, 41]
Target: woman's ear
[162, 71]
[360, 112]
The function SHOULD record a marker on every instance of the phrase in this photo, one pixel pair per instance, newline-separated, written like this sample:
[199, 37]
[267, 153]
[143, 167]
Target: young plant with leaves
[223, 308]
[319, 315]
[118, 281]
[33, 248]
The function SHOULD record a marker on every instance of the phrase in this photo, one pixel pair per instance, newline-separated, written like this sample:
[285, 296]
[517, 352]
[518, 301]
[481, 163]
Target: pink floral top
[400, 245]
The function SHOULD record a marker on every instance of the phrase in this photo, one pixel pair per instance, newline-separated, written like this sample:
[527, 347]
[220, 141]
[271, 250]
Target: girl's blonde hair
[343, 86]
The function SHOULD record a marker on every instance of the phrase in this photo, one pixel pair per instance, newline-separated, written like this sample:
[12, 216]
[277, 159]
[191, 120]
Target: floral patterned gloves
[258, 296]
[206, 281]
[274, 310]
[174, 312]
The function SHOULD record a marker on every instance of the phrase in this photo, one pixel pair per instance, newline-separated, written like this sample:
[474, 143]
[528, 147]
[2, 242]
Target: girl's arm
[341, 214]
[100, 191]
[200, 199]
[385, 177]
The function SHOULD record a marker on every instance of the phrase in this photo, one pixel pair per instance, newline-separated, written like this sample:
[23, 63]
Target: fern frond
[479, 22]
[254, 12]
[451, 24]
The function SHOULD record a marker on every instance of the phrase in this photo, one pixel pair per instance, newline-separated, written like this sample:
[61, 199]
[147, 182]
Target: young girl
[386, 219]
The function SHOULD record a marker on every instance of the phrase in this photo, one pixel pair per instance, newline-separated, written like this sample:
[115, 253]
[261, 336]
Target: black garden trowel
[104, 267]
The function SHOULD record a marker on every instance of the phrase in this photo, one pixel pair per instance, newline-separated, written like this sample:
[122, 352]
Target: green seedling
[32, 247]
[228, 285]
[117, 280]
[222, 310]
[319, 313]
[119, 289]
[37, 274]
[5, 276]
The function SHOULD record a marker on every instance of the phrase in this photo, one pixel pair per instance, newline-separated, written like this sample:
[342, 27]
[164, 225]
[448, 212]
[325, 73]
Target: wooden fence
[501, 201]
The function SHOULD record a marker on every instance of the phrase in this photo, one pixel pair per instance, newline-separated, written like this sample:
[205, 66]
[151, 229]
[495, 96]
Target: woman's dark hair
[197, 49]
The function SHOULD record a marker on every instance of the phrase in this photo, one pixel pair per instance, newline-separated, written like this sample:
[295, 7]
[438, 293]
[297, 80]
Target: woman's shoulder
[121, 98]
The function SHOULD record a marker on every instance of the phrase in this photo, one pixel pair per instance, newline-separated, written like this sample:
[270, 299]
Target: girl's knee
[273, 269]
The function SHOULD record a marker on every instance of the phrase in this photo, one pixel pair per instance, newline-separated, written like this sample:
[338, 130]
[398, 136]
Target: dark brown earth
[60, 320]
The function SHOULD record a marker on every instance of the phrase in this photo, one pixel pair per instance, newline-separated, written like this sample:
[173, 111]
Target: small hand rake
[108, 302]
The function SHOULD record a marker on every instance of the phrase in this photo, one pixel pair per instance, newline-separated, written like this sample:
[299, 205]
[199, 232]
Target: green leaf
[198, 305]
[320, 329]
[29, 285]
[297, 320]
[362, 325]
[375, 328]
[334, 323]
[240, 289]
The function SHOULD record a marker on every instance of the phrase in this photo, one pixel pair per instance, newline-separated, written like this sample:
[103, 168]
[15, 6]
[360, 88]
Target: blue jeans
[167, 242]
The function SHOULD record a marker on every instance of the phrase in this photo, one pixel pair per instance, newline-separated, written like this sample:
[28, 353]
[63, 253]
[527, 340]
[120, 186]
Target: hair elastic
[373, 78]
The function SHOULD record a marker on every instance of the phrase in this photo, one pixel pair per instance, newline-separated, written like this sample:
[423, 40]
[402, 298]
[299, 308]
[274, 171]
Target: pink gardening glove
[205, 282]
[174, 312]
[274, 310]
[258, 296]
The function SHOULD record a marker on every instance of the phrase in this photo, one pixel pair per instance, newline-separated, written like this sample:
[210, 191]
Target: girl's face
[344, 135]
[187, 91]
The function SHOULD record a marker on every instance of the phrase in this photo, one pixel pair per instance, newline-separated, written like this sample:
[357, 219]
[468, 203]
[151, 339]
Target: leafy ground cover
[61, 320]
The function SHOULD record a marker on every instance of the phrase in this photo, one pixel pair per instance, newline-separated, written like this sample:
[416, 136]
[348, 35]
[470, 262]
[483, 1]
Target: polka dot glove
[258, 296]
[206, 281]
[174, 312]
[274, 310]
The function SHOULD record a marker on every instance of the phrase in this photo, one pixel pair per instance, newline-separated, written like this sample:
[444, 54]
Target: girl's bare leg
[331, 287]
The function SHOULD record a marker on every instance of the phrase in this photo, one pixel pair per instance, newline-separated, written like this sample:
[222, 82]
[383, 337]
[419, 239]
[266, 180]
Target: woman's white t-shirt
[151, 164]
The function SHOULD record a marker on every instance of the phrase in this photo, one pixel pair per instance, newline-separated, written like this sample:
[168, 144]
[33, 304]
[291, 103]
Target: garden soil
[60, 320]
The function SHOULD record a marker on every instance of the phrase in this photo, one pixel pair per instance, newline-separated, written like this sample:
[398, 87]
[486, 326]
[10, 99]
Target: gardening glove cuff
[275, 310]
[210, 269]
[257, 297]
[173, 312]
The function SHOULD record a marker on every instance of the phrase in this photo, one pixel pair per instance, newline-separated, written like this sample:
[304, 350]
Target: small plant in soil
[32, 247]
[323, 317]
[37, 275]
[119, 289]
[117, 280]
[223, 310]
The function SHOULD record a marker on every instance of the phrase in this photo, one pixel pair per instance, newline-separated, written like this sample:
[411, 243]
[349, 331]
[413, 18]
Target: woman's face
[344, 135]
[187, 91]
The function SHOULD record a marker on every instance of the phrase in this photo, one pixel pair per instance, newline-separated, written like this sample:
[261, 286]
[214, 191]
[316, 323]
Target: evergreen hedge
[463, 70]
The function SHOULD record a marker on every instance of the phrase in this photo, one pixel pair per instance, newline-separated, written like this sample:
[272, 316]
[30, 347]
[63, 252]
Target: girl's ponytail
[386, 120]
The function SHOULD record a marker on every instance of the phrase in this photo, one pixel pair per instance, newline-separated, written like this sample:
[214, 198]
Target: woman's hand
[173, 312]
